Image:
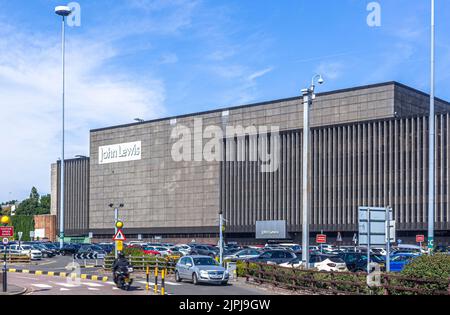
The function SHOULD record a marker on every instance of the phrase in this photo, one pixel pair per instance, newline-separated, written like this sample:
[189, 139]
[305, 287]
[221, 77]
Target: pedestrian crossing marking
[89, 284]
[64, 289]
[41, 286]
[93, 289]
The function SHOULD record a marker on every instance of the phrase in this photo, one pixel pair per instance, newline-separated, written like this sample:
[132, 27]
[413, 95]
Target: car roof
[198, 256]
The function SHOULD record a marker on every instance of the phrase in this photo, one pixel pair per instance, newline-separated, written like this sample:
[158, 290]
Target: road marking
[110, 282]
[89, 284]
[152, 283]
[93, 289]
[42, 286]
[64, 289]
[67, 285]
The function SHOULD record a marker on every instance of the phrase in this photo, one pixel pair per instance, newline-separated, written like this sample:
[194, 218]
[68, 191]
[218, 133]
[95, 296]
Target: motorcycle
[123, 279]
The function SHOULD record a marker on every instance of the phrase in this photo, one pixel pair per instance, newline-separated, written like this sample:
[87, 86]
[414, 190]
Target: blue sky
[158, 58]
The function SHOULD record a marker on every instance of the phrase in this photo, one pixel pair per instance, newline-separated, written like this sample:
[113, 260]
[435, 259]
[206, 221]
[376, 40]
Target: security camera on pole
[308, 97]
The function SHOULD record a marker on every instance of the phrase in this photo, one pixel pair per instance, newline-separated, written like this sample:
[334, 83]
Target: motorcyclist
[119, 263]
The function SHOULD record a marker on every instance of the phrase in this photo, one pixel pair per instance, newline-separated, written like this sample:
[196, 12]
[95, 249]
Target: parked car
[46, 253]
[201, 269]
[202, 250]
[243, 254]
[320, 262]
[27, 250]
[97, 251]
[277, 256]
[163, 251]
[150, 250]
[357, 262]
[183, 248]
[108, 248]
[442, 249]
[399, 261]
[69, 249]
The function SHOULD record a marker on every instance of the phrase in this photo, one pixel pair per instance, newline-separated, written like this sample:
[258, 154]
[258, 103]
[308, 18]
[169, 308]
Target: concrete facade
[368, 148]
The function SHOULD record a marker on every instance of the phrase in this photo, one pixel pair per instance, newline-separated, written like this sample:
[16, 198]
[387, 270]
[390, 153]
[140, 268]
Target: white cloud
[30, 106]
[168, 58]
[259, 74]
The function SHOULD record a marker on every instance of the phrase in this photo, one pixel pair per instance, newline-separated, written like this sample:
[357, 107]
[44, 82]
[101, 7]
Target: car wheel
[177, 277]
[194, 279]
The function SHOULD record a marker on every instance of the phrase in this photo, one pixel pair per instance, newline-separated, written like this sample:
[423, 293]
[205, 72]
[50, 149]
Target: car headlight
[203, 273]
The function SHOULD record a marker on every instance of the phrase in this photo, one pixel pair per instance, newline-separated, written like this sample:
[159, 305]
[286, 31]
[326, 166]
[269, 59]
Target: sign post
[376, 228]
[420, 239]
[5, 232]
[119, 237]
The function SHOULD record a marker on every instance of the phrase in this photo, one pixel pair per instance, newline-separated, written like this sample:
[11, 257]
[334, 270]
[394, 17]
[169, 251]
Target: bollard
[156, 279]
[147, 286]
[163, 275]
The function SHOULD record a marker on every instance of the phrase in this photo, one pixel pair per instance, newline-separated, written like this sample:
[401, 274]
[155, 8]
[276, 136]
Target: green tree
[34, 205]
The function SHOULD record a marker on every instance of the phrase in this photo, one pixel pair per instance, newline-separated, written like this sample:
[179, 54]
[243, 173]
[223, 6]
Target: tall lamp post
[308, 97]
[431, 170]
[62, 11]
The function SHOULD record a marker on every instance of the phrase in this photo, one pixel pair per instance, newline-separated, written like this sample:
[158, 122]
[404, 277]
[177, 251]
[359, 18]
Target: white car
[243, 254]
[319, 262]
[183, 248]
[34, 254]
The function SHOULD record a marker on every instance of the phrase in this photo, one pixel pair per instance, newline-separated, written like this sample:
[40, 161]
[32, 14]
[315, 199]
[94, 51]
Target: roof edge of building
[356, 88]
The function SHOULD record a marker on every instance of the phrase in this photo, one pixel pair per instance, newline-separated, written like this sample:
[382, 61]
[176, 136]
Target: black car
[275, 256]
[442, 249]
[357, 262]
[69, 249]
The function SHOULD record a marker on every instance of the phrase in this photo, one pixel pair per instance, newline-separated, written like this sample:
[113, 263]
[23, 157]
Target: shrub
[435, 268]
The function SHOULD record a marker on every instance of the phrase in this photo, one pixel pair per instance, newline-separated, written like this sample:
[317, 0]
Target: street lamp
[139, 120]
[62, 11]
[116, 221]
[308, 97]
[431, 170]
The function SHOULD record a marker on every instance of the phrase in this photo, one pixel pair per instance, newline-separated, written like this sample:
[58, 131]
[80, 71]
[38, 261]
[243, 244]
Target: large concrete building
[369, 148]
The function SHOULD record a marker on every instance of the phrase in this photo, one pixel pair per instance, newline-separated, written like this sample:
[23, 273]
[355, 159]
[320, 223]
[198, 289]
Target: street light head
[63, 10]
[121, 205]
[111, 205]
[321, 80]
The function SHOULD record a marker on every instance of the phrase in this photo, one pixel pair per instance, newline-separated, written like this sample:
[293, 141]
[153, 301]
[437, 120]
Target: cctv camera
[320, 81]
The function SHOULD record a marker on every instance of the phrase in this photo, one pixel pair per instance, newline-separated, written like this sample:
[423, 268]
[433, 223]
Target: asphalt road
[43, 284]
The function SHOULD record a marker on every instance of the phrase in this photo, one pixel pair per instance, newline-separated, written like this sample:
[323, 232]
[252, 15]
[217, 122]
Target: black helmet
[120, 255]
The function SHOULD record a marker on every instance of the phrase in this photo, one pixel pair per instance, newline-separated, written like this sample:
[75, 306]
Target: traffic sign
[420, 238]
[339, 237]
[119, 236]
[6, 231]
[321, 238]
[5, 241]
[19, 234]
[119, 245]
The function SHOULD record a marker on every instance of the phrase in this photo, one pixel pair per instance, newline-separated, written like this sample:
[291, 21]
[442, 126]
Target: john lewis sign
[116, 153]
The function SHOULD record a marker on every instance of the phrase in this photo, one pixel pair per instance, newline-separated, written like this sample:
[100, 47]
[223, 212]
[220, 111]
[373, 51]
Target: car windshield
[205, 261]
[26, 247]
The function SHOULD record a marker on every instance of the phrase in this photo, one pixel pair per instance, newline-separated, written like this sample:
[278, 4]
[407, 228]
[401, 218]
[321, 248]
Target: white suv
[34, 254]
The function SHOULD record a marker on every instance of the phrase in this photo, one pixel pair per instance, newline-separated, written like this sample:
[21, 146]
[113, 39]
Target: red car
[151, 251]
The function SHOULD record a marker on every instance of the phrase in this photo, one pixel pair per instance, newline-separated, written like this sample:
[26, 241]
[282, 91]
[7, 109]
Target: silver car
[201, 269]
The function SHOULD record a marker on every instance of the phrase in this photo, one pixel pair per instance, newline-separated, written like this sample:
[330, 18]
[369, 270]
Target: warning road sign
[119, 236]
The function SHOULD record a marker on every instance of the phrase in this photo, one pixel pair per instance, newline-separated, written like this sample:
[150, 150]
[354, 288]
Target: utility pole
[308, 97]
[431, 153]
[62, 11]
